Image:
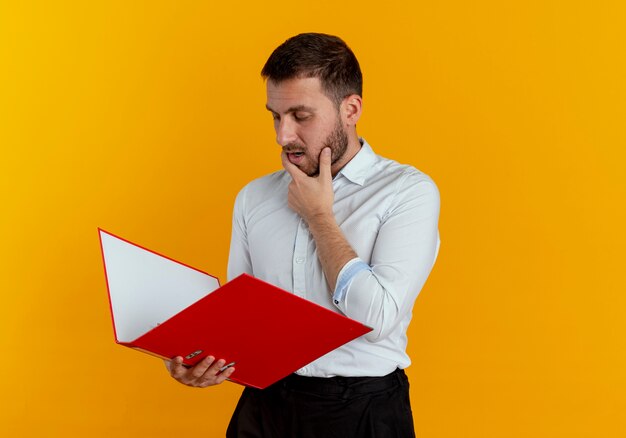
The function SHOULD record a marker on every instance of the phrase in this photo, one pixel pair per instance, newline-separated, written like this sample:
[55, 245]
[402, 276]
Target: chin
[312, 173]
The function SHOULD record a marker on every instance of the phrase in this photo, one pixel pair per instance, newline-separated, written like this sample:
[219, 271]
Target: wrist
[321, 221]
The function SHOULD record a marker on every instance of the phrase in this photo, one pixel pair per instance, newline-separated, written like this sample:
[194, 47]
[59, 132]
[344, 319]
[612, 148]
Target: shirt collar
[359, 167]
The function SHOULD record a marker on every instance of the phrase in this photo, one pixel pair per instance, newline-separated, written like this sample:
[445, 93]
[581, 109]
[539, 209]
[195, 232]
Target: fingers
[325, 163]
[204, 373]
[209, 376]
[201, 367]
[289, 166]
[176, 367]
[224, 375]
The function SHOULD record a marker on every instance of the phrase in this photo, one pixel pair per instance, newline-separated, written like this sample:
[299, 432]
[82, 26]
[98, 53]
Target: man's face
[306, 121]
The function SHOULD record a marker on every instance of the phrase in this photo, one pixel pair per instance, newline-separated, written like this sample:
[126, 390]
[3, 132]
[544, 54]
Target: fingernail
[327, 151]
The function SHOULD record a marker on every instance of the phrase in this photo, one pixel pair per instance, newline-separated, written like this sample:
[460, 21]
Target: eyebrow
[293, 109]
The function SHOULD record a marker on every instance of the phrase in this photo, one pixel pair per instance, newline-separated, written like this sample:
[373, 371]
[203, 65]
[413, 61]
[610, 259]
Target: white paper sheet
[145, 288]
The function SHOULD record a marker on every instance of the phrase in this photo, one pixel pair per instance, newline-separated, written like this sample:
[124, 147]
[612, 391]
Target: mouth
[295, 157]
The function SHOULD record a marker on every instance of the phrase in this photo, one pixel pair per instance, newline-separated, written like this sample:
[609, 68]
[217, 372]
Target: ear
[351, 107]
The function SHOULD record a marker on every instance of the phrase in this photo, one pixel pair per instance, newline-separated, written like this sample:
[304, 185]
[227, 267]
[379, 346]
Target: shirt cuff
[345, 277]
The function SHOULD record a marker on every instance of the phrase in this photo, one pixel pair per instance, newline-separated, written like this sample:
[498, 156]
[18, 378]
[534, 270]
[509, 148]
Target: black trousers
[313, 407]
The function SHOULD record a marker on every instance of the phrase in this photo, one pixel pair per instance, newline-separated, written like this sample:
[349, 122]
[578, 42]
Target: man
[340, 226]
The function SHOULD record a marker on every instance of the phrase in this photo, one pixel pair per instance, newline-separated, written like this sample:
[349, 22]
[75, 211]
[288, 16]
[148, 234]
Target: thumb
[325, 163]
[289, 167]
[175, 365]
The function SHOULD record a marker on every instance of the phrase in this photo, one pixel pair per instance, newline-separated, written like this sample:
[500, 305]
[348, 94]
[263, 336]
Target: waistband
[344, 386]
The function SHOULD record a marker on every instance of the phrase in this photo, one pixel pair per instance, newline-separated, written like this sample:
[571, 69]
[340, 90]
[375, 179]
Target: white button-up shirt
[388, 212]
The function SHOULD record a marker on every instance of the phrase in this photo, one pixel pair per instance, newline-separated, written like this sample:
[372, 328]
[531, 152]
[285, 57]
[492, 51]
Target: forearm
[333, 249]
[406, 248]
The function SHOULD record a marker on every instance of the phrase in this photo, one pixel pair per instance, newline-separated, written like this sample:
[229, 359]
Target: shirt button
[300, 260]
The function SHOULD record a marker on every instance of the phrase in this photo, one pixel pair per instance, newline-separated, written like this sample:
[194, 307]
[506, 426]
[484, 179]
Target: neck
[354, 146]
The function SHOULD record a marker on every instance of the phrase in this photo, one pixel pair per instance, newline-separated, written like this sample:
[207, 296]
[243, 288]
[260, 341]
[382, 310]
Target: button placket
[299, 259]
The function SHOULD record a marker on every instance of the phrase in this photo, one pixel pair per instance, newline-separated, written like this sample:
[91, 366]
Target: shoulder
[403, 178]
[413, 193]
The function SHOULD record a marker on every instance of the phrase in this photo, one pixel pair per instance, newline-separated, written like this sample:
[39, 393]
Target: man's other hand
[204, 373]
[311, 197]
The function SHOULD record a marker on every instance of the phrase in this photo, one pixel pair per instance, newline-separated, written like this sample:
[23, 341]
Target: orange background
[146, 120]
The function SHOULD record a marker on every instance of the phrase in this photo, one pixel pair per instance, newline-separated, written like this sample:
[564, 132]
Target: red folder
[166, 308]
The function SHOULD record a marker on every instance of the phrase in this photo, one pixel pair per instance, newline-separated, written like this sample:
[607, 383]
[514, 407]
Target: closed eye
[300, 117]
[300, 113]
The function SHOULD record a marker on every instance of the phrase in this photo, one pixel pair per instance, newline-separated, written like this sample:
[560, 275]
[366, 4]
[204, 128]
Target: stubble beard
[337, 141]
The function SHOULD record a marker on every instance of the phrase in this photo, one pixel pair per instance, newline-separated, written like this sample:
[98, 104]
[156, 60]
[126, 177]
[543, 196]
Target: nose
[285, 132]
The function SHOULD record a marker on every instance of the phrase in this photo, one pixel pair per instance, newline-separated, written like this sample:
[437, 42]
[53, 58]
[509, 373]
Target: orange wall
[146, 118]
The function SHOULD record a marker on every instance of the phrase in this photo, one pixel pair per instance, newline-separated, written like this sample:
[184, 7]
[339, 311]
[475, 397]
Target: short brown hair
[326, 57]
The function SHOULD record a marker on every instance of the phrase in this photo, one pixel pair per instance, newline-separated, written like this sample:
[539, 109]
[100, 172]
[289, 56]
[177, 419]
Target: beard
[337, 141]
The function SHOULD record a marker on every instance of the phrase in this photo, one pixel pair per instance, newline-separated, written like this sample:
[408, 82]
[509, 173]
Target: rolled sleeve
[406, 248]
[345, 277]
